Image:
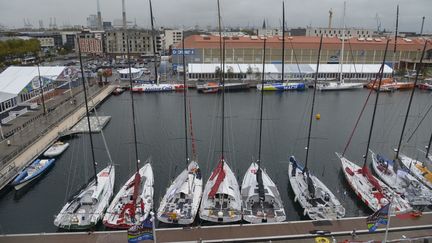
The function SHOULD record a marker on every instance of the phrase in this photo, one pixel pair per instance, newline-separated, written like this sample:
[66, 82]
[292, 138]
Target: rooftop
[301, 42]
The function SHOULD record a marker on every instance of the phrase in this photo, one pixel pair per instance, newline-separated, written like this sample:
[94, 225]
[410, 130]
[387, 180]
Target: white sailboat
[182, 199]
[401, 181]
[221, 200]
[315, 198]
[417, 168]
[397, 178]
[261, 200]
[86, 208]
[373, 192]
[134, 202]
[340, 84]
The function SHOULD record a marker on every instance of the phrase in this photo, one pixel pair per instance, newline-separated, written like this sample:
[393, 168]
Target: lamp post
[41, 88]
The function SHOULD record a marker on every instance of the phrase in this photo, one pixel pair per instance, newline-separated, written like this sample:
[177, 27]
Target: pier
[16, 158]
[294, 231]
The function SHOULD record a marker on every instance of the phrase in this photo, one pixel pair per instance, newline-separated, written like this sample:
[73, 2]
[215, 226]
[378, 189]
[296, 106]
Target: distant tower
[264, 25]
[421, 30]
[124, 14]
[330, 18]
[99, 16]
[55, 23]
[41, 25]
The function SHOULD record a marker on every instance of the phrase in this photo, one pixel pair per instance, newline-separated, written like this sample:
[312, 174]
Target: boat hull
[221, 202]
[182, 199]
[86, 208]
[372, 197]
[323, 205]
[254, 211]
[336, 86]
[56, 150]
[119, 204]
[32, 172]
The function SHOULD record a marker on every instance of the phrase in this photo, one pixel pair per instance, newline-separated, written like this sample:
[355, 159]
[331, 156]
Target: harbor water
[160, 136]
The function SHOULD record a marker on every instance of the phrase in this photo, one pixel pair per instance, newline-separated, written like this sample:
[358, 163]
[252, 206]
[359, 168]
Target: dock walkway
[49, 134]
[295, 231]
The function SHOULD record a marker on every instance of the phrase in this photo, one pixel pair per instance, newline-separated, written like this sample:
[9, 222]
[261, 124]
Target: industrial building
[299, 49]
[140, 42]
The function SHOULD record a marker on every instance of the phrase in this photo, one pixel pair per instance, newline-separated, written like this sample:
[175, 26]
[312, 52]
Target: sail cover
[219, 173]
[261, 192]
[366, 172]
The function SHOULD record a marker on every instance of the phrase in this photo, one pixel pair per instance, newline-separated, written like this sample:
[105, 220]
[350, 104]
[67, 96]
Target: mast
[132, 104]
[184, 100]
[221, 77]
[376, 103]
[343, 45]
[154, 43]
[87, 112]
[410, 100]
[396, 35]
[283, 42]
[313, 104]
[261, 192]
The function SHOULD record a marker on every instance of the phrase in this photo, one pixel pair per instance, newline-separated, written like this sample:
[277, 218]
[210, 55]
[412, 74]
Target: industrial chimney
[99, 16]
[330, 18]
[124, 14]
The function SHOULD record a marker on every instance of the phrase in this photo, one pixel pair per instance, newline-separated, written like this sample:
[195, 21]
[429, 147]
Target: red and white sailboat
[373, 192]
[133, 203]
[221, 200]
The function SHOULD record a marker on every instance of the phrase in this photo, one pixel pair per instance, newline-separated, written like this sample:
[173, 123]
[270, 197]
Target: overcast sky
[179, 13]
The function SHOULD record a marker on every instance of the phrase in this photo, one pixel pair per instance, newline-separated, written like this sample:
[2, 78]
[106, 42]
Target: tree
[218, 72]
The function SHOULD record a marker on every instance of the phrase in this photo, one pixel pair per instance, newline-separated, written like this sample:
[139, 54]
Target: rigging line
[185, 108]
[352, 56]
[87, 111]
[361, 113]
[419, 123]
[313, 103]
[411, 98]
[376, 103]
[295, 59]
[132, 102]
[283, 41]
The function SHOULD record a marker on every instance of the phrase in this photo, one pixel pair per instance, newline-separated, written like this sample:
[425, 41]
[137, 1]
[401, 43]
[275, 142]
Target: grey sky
[178, 13]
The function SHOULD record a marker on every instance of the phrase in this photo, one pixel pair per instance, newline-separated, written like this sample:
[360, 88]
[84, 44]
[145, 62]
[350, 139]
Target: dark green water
[160, 135]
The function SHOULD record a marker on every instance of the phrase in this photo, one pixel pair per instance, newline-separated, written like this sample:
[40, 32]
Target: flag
[139, 233]
[377, 218]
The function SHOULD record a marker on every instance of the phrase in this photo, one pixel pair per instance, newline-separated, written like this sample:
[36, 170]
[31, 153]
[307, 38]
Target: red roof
[303, 42]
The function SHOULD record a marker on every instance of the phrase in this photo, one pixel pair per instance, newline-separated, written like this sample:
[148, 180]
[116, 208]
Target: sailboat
[373, 192]
[221, 200]
[134, 202]
[315, 198]
[155, 87]
[261, 200]
[339, 85]
[282, 85]
[86, 208]
[396, 177]
[182, 199]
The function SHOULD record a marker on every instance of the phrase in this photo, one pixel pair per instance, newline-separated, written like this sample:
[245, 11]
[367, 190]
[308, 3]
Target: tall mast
[262, 104]
[376, 103]
[411, 98]
[184, 100]
[313, 104]
[132, 103]
[154, 43]
[343, 45]
[283, 41]
[222, 78]
[87, 112]
[396, 35]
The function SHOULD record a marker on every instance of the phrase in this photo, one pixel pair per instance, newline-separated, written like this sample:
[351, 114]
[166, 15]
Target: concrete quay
[295, 231]
[29, 143]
